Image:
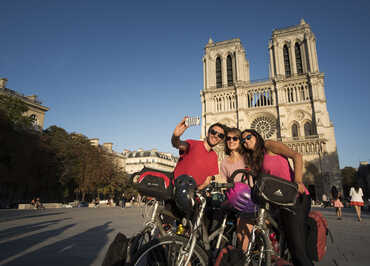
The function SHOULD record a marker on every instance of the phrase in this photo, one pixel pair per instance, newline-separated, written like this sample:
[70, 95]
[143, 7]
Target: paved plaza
[81, 236]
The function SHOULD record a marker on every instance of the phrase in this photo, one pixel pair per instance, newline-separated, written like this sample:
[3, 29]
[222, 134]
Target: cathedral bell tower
[224, 66]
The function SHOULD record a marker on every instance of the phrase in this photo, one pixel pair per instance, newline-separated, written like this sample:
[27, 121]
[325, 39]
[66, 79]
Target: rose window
[265, 126]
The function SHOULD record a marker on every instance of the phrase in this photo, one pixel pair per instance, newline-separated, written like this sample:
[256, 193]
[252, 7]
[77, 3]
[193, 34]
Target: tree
[15, 110]
[349, 176]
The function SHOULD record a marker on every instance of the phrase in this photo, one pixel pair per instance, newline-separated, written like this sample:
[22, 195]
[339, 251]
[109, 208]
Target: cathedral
[288, 106]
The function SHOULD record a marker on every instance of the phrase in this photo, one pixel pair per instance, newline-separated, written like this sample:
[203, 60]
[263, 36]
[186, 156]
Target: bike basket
[153, 183]
[277, 190]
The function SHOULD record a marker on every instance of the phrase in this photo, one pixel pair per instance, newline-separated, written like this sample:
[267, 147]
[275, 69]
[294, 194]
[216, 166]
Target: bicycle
[260, 248]
[183, 249]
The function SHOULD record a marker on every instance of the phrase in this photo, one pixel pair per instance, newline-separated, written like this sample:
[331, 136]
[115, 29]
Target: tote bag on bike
[276, 190]
[153, 183]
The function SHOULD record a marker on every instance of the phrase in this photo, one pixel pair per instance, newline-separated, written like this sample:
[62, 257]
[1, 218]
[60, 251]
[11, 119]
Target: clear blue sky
[128, 71]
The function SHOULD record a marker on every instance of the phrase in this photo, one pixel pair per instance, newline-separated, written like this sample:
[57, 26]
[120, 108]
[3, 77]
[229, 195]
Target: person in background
[325, 201]
[271, 157]
[338, 205]
[123, 200]
[356, 200]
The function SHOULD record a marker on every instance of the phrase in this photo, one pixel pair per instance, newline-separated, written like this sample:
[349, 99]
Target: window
[298, 58]
[229, 71]
[295, 131]
[308, 129]
[218, 73]
[286, 61]
[266, 126]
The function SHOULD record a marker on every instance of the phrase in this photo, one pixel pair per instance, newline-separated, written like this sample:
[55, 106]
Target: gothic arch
[308, 128]
[218, 65]
[286, 56]
[294, 127]
[298, 58]
[229, 69]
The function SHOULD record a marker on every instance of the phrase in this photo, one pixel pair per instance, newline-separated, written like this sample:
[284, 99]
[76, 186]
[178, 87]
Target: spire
[302, 21]
[210, 41]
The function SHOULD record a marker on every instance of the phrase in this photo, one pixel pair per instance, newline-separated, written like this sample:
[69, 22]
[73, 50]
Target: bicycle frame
[187, 252]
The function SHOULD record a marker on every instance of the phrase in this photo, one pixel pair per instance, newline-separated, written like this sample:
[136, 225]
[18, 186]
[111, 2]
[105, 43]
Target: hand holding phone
[192, 121]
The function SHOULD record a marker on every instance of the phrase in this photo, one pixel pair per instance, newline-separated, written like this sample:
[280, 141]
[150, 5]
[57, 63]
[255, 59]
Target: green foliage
[15, 110]
[349, 175]
[55, 165]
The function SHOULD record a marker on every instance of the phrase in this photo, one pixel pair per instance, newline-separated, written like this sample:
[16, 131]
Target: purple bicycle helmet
[240, 198]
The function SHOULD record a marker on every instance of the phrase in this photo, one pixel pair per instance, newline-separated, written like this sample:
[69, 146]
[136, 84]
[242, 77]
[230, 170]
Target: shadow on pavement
[14, 247]
[81, 249]
[19, 230]
[6, 217]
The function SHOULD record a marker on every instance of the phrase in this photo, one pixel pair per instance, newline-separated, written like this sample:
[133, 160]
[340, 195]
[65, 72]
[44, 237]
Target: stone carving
[299, 115]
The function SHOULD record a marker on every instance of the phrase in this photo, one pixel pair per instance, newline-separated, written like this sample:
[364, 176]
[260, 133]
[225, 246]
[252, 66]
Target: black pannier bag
[153, 183]
[276, 190]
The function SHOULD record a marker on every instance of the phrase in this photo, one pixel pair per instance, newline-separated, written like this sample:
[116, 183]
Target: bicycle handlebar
[245, 173]
[214, 186]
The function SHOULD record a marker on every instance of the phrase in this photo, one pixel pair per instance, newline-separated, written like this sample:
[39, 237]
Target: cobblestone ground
[81, 236]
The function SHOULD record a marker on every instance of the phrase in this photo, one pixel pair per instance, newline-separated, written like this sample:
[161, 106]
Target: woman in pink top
[272, 157]
[234, 161]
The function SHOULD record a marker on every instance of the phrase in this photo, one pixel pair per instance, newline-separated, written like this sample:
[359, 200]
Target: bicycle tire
[164, 251]
[259, 254]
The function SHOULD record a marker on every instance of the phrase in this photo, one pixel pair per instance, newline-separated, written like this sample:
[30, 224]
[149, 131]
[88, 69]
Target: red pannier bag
[316, 235]
[153, 183]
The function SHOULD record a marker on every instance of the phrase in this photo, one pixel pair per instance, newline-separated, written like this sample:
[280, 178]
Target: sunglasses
[215, 133]
[228, 138]
[248, 137]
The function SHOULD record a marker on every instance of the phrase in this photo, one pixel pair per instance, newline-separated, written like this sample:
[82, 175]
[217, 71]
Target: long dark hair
[237, 132]
[334, 192]
[357, 187]
[254, 158]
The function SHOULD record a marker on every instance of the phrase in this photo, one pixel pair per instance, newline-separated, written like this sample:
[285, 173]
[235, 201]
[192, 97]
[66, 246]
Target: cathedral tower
[289, 106]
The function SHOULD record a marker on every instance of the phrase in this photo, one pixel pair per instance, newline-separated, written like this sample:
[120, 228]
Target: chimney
[108, 146]
[94, 142]
[3, 82]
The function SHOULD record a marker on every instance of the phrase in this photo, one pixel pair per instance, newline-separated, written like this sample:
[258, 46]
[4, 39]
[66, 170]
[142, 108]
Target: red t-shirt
[197, 162]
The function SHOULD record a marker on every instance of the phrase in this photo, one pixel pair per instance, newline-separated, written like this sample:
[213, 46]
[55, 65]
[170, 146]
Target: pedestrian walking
[123, 200]
[356, 200]
[337, 204]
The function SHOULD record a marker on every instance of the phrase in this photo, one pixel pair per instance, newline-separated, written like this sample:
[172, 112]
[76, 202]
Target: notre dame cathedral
[288, 106]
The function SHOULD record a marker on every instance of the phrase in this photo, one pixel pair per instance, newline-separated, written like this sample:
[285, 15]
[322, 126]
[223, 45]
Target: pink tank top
[278, 165]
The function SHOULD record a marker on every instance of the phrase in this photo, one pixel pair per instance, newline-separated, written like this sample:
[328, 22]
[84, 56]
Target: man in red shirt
[197, 157]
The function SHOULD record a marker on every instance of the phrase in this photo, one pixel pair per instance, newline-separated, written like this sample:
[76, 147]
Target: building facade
[288, 106]
[35, 107]
[136, 160]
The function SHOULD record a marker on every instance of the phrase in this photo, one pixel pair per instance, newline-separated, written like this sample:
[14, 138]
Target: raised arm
[282, 149]
[175, 140]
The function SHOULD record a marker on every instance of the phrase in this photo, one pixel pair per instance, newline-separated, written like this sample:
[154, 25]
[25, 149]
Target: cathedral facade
[288, 106]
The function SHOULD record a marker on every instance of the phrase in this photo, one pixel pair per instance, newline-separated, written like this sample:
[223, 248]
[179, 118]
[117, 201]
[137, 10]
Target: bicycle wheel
[165, 251]
[259, 252]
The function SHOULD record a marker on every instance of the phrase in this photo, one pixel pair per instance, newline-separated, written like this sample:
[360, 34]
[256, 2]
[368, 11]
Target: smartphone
[192, 121]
